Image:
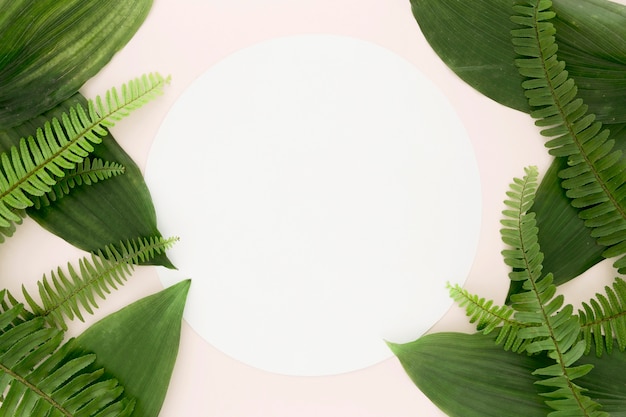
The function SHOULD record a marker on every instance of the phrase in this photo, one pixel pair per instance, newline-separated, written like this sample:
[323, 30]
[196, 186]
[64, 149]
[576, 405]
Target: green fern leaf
[41, 376]
[548, 326]
[489, 317]
[605, 315]
[595, 179]
[67, 294]
[89, 171]
[29, 169]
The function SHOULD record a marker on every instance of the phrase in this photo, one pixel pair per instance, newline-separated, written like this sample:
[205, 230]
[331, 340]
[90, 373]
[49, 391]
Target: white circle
[324, 191]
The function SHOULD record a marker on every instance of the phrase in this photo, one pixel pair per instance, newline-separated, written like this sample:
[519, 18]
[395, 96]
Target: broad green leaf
[92, 216]
[474, 40]
[49, 48]
[470, 376]
[139, 345]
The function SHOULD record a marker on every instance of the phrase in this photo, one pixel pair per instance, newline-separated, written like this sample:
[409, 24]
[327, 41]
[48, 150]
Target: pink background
[184, 38]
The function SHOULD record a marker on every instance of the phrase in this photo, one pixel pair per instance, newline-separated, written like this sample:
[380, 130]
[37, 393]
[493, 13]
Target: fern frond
[29, 169]
[595, 179]
[66, 294]
[548, 325]
[489, 317]
[89, 171]
[40, 376]
[605, 315]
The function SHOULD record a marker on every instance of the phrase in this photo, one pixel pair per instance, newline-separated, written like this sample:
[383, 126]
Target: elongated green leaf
[91, 217]
[470, 376]
[49, 48]
[139, 345]
[474, 40]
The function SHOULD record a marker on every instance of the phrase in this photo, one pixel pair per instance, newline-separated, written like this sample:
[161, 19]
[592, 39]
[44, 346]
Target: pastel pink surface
[184, 38]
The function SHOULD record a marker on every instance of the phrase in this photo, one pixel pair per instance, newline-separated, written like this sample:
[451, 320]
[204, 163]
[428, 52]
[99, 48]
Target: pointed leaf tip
[139, 345]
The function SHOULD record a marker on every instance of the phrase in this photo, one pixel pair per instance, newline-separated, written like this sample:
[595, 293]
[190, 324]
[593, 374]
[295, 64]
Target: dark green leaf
[139, 345]
[49, 48]
[474, 40]
[470, 376]
[91, 217]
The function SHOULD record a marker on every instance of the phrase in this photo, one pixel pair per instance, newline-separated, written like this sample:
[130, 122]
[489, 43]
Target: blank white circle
[324, 191]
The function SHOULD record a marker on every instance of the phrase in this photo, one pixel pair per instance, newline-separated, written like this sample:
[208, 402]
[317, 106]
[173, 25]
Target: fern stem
[36, 390]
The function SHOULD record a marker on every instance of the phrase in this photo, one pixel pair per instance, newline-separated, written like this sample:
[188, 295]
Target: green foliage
[89, 171]
[92, 217]
[30, 167]
[468, 375]
[549, 326]
[489, 317]
[603, 319]
[139, 345]
[67, 293]
[50, 48]
[40, 376]
[474, 40]
[592, 174]
[595, 179]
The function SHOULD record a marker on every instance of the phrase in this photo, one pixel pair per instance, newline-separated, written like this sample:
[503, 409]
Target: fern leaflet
[595, 179]
[489, 317]
[89, 171]
[29, 169]
[605, 315]
[40, 376]
[66, 294]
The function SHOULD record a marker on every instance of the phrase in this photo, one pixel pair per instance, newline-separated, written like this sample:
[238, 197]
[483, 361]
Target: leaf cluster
[537, 321]
[54, 145]
[580, 211]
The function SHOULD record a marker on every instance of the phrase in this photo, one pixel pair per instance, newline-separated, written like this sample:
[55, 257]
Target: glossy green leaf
[91, 217]
[49, 48]
[139, 345]
[474, 40]
[470, 376]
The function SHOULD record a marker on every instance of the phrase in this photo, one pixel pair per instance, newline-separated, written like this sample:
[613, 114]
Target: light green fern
[32, 167]
[67, 293]
[88, 172]
[489, 317]
[603, 319]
